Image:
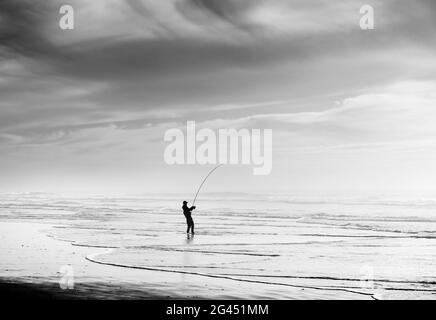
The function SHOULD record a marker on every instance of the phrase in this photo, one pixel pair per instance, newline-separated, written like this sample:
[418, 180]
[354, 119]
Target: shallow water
[380, 247]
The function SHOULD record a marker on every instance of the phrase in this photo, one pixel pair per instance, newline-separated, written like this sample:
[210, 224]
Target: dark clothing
[187, 210]
[189, 221]
[190, 224]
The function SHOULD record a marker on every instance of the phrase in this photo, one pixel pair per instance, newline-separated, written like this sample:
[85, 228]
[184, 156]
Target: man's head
[185, 202]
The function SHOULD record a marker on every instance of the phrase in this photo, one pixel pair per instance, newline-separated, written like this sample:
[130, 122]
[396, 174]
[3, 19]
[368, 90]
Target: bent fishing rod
[204, 180]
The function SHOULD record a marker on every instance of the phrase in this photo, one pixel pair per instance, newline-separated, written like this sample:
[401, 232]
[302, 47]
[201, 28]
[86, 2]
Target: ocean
[376, 247]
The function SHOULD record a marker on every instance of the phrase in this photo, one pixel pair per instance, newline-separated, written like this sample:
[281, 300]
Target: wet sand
[244, 249]
[32, 270]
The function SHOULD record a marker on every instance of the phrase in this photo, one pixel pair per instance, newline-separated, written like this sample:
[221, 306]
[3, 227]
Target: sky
[84, 111]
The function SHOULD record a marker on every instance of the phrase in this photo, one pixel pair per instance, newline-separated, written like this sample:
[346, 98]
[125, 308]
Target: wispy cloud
[130, 69]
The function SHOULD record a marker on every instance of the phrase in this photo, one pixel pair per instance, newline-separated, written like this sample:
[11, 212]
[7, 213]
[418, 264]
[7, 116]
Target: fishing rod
[204, 180]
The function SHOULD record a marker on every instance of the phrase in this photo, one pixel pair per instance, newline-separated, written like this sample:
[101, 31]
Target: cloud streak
[134, 68]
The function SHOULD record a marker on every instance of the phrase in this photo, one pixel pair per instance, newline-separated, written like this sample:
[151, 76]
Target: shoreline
[32, 250]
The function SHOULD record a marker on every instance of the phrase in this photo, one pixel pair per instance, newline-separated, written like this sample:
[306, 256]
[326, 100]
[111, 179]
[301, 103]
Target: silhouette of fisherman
[187, 212]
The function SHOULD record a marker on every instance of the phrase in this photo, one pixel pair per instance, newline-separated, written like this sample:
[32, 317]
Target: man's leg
[189, 225]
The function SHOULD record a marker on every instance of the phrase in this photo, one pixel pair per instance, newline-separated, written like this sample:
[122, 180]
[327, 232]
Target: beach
[137, 248]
